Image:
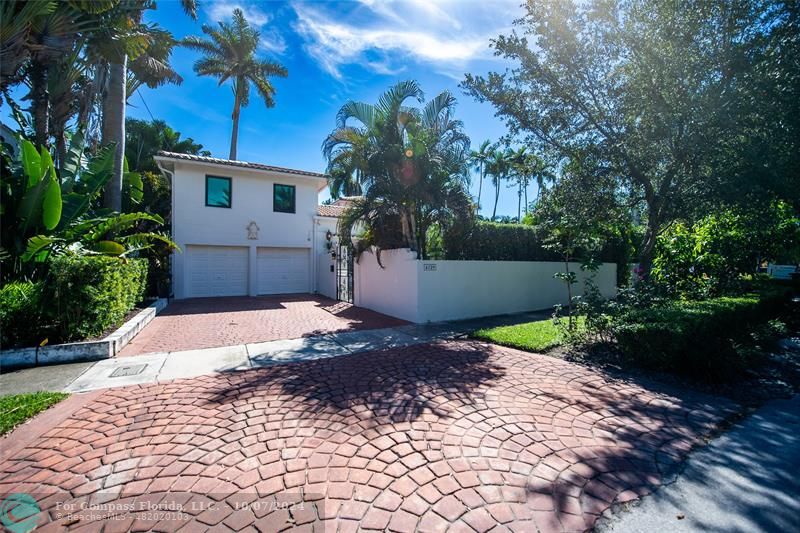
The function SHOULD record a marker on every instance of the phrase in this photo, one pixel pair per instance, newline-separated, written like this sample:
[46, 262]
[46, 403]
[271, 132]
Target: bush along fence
[706, 339]
[81, 297]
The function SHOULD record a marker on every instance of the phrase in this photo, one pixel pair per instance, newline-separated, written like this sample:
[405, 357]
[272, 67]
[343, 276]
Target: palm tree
[479, 159]
[230, 54]
[411, 164]
[499, 166]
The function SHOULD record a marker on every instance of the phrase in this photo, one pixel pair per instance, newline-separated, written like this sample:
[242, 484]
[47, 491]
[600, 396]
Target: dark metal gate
[344, 273]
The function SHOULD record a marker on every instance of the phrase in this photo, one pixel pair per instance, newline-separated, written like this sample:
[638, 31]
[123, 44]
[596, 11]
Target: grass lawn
[17, 408]
[536, 336]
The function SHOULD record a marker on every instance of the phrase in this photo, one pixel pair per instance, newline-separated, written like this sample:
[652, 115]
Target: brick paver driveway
[212, 322]
[458, 435]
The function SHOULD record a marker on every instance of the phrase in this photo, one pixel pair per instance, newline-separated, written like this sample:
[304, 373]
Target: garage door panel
[217, 270]
[283, 270]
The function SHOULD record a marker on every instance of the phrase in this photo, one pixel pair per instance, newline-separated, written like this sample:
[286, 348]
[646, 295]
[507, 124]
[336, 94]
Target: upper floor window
[218, 191]
[283, 198]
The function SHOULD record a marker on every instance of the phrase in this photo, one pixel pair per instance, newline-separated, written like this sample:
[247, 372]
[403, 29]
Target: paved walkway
[745, 481]
[213, 322]
[455, 435]
[155, 367]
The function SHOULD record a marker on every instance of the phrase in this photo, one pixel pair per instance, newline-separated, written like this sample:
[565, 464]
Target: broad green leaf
[133, 182]
[108, 248]
[30, 207]
[38, 244]
[72, 162]
[121, 222]
[51, 206]
[91, 182]
[31, 163]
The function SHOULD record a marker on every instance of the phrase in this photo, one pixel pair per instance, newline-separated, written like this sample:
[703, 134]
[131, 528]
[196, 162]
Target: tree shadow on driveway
[396, 385]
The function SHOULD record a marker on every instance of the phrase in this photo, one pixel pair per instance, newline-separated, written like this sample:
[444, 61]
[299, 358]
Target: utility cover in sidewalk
[131, 370]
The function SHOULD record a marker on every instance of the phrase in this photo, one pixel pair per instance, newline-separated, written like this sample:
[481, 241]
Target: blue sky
[334, 52]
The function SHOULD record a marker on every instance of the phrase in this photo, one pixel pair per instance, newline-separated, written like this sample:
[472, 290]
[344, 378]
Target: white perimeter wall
[392, 290]
[432, 291]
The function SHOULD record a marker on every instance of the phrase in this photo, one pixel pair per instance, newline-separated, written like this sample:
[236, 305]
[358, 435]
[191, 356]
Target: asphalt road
[747, 480]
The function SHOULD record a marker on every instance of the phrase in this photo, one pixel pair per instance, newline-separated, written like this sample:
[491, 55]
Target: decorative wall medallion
[252, 230]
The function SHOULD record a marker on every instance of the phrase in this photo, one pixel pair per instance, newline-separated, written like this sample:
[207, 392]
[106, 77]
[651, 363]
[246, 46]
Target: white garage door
[217, 271]
[283, 270]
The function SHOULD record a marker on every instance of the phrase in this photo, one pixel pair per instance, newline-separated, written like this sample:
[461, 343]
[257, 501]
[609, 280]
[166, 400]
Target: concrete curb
[84, 351]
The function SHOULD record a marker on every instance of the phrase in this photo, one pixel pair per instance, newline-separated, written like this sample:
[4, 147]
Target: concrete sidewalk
[744, 481]
[163, 366]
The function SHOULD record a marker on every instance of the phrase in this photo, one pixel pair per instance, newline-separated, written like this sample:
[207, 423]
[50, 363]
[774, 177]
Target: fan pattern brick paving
[213, 322]
[457, 435]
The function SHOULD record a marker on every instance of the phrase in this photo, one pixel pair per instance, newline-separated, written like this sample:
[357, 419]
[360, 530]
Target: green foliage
[84, 296]
[144, 139]
[20, 314]
[710, 256]
[699, 339]
[682, 105]
[538, 336]
[492, 241]
[42, 218]
[17, 408]
[81, 297]
[411, 164]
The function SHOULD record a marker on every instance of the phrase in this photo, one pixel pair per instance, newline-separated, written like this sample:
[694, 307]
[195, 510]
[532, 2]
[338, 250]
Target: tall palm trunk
[40, 102]
[519, 200]
[496, 196]
[237, 105]
[526, 197]
[114, 129]
[480, 186]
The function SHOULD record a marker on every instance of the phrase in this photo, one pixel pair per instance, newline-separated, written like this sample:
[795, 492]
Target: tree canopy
[682, 104]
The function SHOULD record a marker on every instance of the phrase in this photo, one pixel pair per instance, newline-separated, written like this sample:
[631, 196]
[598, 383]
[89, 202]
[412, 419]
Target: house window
[283, 198]
[218, 191]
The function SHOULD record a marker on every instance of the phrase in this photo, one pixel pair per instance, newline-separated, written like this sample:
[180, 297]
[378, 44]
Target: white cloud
[396, 31]
[272, 41]
[222, 10]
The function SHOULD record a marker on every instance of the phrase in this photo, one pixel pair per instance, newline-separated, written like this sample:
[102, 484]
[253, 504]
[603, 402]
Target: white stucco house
[246, 228]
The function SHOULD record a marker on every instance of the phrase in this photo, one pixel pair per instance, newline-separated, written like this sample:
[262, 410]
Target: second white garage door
[283, 270]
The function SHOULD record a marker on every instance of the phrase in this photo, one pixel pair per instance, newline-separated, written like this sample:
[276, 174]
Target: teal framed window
[283, 198]
[218, 191]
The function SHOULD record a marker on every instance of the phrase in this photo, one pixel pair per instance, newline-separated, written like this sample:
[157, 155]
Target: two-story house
[243, 228]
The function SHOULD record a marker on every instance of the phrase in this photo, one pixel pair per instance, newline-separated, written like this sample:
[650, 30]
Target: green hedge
[700, 339]
[90, 294]
[491, 241]
[20, 321]
[81, 298]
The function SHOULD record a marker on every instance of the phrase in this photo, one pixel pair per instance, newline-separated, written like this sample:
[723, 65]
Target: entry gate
[344, 274]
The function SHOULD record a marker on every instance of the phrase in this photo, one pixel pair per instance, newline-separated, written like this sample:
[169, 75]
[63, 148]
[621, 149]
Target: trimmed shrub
[493, 241]
[490, 241]
[86, 295]
[700, 339]
[20, 321]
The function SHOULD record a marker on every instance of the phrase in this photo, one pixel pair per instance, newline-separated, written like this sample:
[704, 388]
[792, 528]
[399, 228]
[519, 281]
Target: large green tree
[411, 162]
[146, 138]
[657, 94]
[230, 54]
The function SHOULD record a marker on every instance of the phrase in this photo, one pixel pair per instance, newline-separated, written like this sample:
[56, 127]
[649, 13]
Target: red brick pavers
[212, 322]
[458, 436]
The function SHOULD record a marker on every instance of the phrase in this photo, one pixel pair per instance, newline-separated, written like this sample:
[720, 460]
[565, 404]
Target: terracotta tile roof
[242, 164]
[330, 210]
[336, 208]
